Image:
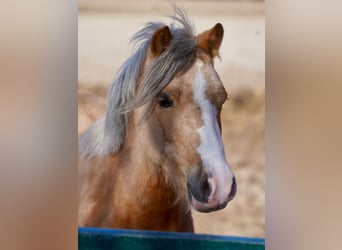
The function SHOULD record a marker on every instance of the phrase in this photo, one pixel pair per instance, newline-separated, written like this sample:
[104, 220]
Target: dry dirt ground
[104, 32]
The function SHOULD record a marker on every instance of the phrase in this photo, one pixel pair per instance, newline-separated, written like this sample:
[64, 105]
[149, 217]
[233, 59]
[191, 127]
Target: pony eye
[164, 100]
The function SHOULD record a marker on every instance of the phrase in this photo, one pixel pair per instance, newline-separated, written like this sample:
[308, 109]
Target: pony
[158, 150]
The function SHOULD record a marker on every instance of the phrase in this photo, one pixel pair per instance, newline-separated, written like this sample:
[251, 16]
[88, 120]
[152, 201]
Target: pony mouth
[208, 207]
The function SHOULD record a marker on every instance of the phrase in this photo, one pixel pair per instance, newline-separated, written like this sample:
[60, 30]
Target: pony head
[181, 131]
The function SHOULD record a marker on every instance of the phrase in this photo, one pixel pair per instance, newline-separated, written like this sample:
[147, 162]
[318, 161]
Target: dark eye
[164, 100]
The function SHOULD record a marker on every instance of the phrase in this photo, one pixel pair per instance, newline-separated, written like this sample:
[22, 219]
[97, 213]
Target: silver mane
[107, 134]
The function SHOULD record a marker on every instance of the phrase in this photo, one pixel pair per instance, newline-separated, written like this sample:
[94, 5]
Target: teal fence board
[98, 238]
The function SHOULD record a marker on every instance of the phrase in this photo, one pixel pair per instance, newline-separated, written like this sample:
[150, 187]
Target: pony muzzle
[211, 193]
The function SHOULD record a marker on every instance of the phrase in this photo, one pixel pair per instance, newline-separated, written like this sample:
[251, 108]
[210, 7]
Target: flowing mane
[107, 134]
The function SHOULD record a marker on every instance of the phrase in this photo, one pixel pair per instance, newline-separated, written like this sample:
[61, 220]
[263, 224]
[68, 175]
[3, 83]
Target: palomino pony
[158, 148]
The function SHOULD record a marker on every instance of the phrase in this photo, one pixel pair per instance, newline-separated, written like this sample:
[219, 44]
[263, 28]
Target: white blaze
[211, 148]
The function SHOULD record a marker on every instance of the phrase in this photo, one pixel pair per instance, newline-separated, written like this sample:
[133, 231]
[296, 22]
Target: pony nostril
[206, 189]
[198, 185]
[232, 190]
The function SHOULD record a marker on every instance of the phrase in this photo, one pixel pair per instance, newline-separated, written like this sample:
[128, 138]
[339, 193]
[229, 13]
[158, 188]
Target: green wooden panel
[91, 239]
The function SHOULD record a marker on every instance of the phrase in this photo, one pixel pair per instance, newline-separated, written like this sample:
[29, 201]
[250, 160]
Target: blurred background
[38, 135]
[104, 30]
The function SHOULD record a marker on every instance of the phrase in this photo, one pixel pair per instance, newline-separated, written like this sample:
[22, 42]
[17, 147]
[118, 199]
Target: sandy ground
[104, 32]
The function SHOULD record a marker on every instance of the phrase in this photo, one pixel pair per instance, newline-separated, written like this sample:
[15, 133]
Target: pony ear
[160, 41]
[210, 40]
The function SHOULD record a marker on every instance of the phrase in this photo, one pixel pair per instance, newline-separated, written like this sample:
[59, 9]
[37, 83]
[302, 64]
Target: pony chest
[145, 199]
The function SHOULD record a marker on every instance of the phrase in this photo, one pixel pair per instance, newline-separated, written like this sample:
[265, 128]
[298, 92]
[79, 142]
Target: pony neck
[161, 181]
